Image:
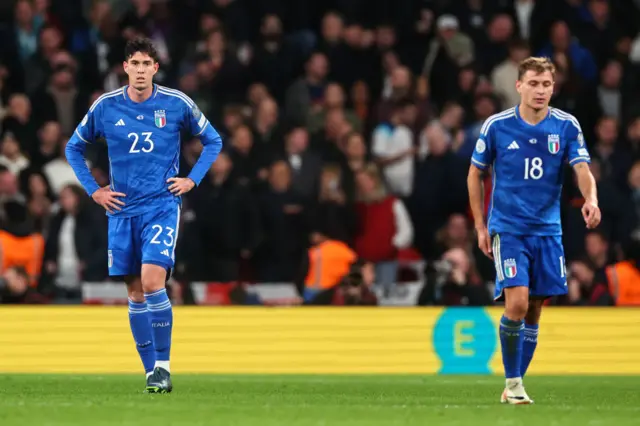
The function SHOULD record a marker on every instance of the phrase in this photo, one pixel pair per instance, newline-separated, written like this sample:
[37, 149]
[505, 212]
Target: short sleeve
[89, 128]
[195, 120]
[484, 151]
[576, 151]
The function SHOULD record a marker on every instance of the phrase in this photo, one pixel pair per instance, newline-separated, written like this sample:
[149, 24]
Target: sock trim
[160, 306]
[155, 293]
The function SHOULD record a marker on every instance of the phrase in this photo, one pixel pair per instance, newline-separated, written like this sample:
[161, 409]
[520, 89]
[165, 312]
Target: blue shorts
[529, 261]
[147, 238]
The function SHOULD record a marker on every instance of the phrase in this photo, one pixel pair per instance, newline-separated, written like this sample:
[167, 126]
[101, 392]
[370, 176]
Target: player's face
[140, 68]
[535, 89]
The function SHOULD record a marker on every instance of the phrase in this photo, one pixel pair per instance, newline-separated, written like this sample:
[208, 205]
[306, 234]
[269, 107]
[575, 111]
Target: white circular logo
[84, 121]
[480, 146]
[581, 139]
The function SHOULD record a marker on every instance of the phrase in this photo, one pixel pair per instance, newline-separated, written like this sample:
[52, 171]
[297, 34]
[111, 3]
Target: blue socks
[529, 346]
[161, 315]
[140, 322]
[511, 340]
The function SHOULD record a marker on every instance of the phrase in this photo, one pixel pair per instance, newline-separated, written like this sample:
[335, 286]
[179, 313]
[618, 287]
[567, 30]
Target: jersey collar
[153, 95]
[517, 114]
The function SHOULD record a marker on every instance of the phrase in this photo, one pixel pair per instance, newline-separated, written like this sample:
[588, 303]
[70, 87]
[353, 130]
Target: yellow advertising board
[318, 340]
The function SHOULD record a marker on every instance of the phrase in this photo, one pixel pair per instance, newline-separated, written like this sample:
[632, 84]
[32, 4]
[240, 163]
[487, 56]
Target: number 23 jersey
[143, 140]
[528, 164]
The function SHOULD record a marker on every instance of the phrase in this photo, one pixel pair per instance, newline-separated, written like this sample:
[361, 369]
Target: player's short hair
[142, 45]
[537, 65]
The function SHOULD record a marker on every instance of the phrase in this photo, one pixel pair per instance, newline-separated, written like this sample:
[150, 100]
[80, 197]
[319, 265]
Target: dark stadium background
[300, 90]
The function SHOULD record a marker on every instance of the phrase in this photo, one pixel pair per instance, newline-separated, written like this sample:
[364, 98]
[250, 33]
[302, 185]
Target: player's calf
[161, 313]
[512, 338]
[140, 323]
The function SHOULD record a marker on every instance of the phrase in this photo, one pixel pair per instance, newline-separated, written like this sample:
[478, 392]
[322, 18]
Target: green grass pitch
[115, 400]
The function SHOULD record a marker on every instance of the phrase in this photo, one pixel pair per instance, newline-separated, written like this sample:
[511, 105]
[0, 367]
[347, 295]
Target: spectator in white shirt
[504, 76]
[393, 149]
[10, 155]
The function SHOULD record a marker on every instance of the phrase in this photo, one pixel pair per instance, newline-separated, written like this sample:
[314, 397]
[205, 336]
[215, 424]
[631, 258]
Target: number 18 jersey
[528, 169]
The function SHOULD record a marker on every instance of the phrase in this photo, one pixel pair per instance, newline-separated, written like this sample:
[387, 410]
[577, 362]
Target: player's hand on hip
[484, 241]
[108, 199]
[591, 214]
[179, 186]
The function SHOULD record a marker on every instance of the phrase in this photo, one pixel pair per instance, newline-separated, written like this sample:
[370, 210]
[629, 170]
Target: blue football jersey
[528, 168]
[143, 141]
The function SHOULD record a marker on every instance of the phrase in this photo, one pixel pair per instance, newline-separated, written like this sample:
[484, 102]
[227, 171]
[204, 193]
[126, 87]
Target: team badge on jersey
[84, 121]
[580, 139]
[480, 146]
[510, 269]
[110, 259]
[554, 144]
[160, 118]
[196, 112]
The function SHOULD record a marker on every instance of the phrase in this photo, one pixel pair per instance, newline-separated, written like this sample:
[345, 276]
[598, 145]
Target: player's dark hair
[142, 45]
[537, 65]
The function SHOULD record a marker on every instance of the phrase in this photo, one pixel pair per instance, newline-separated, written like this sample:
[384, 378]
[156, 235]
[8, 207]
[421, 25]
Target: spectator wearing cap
[448, 52]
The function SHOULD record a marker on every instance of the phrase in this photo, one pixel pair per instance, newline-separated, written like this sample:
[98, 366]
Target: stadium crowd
[347, 125]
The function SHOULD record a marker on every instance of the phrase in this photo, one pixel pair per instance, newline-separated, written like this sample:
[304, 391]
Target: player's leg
[511, 257]
[140, 322]
[548, 279]
[124, 262]
[159, 235]
[531, 322]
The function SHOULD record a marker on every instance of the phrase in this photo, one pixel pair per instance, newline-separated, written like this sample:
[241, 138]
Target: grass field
[315, 400]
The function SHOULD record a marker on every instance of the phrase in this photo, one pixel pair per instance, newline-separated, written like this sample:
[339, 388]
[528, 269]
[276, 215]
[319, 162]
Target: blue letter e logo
[464, 339]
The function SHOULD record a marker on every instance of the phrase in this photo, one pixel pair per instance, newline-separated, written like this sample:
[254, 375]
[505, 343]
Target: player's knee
[517, 303]
[153, 278]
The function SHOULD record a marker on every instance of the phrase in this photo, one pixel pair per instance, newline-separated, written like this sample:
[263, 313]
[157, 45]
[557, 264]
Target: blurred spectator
[597, 250]
[76, 246]
[19, 244]
[355, 289]
[267, 132]
[439, 176]
[306, 94]
[393, 149]
[609, 95]
[273, 61]
[504, 76]
[284, 227]
[499, 33]
[326, 263]
[448, 52]
[10, 155]
[18, 121]
[624, 278]
[333, 99]
[614, 161]
[50, 137]
[586, 287]
[305, 165]
[15, 289]
[249, 163]
[226, 214]
[569, 54]
[444, 127]
[333, 212]
[454, 282]
[58, 172]
[484, 107]
[384, 227]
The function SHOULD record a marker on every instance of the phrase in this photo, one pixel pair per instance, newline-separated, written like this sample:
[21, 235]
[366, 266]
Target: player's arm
[87, 132]
[199, 127]
[481, 158]
[579, 158]
[84, 134]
